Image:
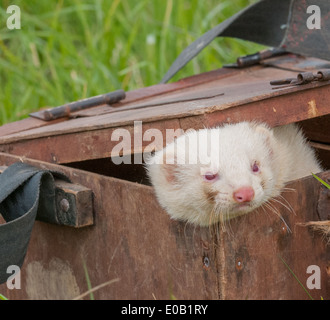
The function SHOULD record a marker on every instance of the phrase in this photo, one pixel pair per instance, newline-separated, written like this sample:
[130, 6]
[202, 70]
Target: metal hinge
[302, 78]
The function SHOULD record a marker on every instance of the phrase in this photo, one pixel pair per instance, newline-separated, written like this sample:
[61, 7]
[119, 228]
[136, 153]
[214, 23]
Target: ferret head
[216, 174]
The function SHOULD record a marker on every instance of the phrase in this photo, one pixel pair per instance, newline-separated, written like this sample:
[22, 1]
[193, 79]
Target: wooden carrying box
[128, 238]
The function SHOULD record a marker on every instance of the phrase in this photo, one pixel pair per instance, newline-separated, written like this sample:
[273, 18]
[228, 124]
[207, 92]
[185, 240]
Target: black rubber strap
[26, 192]
[263, 22]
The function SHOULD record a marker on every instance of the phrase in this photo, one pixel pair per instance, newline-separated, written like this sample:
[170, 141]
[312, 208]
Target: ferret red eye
[255, 167]
[210, 176]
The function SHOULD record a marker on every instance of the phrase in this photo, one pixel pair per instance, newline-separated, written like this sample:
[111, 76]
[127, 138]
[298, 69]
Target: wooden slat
[51, 144]
[262, 243]
[132, 240]
[131, 97]
[318, 129]
[239, 87]
[231, 99]
[153, 257]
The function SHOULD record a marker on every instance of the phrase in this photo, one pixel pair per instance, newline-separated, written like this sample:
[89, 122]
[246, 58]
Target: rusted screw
[206, 262]
[65, 205]
[239, 264]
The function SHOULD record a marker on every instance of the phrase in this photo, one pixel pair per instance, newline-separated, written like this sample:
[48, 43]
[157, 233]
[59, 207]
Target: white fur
[229, 151]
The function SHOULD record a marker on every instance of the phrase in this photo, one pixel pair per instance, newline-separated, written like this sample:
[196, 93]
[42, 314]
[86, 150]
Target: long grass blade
[3, 297]
[322, 181]
[296, 278]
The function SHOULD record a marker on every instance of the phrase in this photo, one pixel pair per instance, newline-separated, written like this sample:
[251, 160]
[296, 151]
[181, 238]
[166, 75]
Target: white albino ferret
[213, 175]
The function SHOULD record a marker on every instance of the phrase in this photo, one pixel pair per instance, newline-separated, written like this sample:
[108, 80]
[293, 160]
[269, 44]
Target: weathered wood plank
[257, 245]
[318, 129]
[87, 145]
[58, 147]
[242, 88]
[131, 97]
[134, 240]
[276, 110]
[22, 125]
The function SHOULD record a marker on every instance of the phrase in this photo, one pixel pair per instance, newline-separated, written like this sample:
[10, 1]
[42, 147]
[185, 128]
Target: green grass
[3, 297]
[296, 278]
[322, 181]
[69, 49]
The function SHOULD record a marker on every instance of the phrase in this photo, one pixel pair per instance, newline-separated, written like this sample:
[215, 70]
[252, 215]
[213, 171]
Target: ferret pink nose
[244, 194]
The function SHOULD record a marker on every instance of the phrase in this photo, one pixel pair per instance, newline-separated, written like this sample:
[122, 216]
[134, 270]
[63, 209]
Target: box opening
[107, 167]
[314, 129]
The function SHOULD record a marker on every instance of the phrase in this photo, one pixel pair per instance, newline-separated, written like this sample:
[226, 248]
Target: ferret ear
[266, 134]
[262, 128]
[163, 163]
[169, 165]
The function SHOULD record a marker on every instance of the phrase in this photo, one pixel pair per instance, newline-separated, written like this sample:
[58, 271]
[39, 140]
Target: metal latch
[255, 58]
[73, 205]
[67, 109]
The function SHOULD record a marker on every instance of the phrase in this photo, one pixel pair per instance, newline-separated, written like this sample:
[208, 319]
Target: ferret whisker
[215, 234]
[288, 203]
[271, 209]
[264, 210]
[288, 206]
[224, 215]
[286, 189]
[225, 221]
[211, 218]
[214, 226]
[222, 222]
[231, 232]
[276, 212]
[185, 226]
